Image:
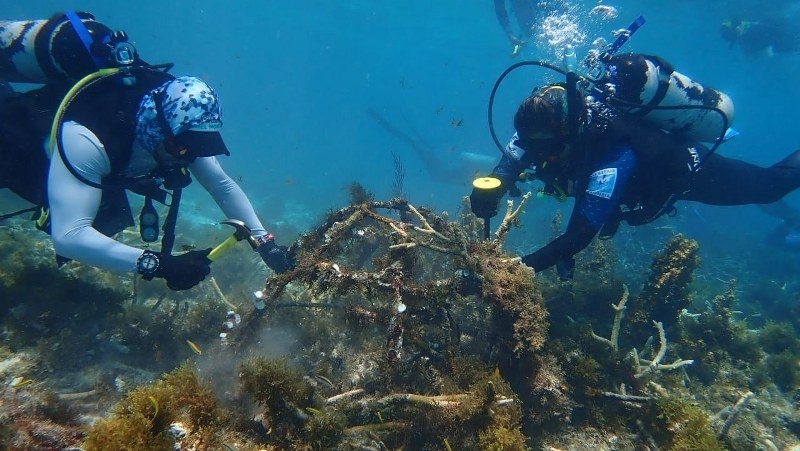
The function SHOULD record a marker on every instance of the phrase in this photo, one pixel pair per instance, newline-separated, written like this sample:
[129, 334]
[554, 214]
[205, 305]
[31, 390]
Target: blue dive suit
[626, 170]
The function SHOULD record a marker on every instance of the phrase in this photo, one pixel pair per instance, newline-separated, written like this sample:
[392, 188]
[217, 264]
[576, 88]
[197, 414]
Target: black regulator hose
[497, 85]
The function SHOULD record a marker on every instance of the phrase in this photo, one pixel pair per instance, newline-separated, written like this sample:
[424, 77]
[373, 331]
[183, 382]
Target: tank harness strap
[168, 240]
[83, 34]
[42, 46]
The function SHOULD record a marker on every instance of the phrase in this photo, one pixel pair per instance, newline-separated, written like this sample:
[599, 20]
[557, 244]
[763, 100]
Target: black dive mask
[171, 169]
[544, 149]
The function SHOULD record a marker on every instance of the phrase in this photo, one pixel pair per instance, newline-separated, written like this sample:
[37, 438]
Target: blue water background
[298, 78]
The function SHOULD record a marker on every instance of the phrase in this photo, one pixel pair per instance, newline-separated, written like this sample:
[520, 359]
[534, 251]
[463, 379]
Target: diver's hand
[181, 272]
[566, 269]
[529, 260]
[278, 258]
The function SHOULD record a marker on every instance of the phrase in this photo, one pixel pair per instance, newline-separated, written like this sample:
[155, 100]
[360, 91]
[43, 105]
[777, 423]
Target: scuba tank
[67, 46]
[648, 87]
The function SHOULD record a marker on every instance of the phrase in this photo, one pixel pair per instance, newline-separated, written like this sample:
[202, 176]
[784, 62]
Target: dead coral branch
[511, 217]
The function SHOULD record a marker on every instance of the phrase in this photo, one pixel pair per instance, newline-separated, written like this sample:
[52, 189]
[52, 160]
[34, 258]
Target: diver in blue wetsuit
[766, 37]
[618, 169]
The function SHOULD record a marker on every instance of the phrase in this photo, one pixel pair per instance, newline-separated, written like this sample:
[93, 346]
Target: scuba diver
[625, 154]
[103, 123]
[525, 14]
[765, 37]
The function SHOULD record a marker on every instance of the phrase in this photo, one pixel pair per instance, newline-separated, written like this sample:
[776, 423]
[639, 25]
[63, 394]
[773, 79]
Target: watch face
[148, 263]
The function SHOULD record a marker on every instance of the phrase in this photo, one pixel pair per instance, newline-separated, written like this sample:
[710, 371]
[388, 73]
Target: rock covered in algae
[145, 418]
[667, 290]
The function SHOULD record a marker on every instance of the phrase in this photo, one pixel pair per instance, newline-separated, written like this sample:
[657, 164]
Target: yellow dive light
[484, 199]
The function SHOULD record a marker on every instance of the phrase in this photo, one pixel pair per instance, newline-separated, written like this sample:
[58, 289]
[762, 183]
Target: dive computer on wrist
[147, 264]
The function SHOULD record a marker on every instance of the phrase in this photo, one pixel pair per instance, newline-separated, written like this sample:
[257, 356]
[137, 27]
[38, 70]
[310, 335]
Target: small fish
[447, 445]
[194, 347]
[154, 403]
[19, 382]
[380, 417]
[313, 411]
[324, 379]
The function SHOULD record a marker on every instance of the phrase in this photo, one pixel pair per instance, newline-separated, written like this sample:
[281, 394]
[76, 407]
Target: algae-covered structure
[398, 328]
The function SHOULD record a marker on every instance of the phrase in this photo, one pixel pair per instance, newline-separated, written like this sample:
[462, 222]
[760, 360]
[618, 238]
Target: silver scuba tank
[67, 46]
[644, 81]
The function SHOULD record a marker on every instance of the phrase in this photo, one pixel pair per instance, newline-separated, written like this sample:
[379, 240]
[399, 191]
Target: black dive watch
[147, 264]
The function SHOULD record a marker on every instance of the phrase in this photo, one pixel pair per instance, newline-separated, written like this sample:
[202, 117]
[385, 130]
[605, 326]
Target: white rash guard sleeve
[74, 204]
[226, 193]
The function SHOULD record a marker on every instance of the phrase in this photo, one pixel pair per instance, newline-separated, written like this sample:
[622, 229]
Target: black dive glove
[566, 269]
[181, 272]
[278, 258]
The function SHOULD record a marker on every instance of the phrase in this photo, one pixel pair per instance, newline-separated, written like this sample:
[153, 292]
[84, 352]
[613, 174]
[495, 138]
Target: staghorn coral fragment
[619, 310]
[511, 217]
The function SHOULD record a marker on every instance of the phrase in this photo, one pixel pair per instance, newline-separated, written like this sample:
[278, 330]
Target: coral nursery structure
[397, 329]
[429, 316]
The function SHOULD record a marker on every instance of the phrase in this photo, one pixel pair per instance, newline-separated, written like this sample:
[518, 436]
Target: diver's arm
[508, 169]
[73, 204]
[511, 165]
[578, 235]
[226, 193]
[601, 198]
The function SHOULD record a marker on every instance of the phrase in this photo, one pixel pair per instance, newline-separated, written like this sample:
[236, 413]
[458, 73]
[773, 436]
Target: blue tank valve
[622, 39]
